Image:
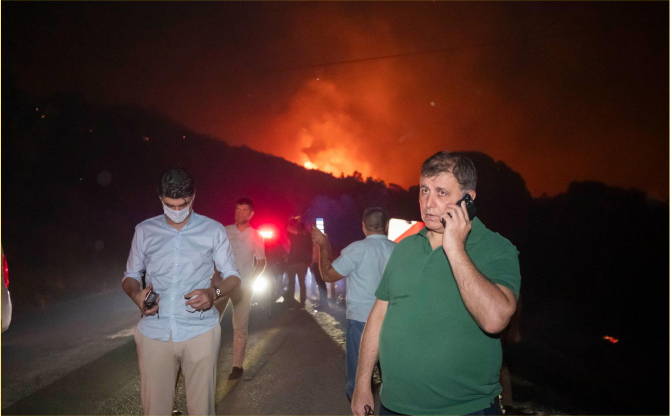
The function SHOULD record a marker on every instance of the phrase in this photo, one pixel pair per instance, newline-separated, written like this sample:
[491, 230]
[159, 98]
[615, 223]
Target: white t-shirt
[246, 246]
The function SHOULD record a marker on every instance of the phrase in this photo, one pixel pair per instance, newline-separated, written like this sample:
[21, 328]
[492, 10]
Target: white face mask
[177, 216]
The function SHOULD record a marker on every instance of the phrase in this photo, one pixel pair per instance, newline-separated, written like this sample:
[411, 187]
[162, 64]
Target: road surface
[79, 357]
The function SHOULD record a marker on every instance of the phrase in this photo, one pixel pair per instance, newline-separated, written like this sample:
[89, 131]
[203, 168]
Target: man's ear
[252, 214]
[473, 194]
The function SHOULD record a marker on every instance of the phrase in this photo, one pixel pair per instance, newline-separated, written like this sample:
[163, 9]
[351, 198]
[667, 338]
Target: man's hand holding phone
[457, 225]
[147, 301]
[319, 237]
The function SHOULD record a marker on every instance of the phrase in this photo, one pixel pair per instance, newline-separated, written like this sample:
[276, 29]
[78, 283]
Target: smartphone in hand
[469, 206]
[150, 300]
[319, 225]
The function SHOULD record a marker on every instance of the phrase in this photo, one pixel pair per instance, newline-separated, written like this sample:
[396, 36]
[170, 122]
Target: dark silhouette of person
[299, 259]
[509, 336]
[320, 283]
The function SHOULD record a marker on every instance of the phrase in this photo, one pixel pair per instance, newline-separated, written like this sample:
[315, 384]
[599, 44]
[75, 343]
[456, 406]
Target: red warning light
[268, 231]
[5, 270]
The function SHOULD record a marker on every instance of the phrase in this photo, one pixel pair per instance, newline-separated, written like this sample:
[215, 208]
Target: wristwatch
[217, 293]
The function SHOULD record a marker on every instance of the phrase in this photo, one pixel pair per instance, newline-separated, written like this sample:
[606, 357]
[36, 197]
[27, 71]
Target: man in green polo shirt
[444, 293]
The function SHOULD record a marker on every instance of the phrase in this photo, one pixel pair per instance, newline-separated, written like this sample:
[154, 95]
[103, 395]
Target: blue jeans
[354, 332]
[494, 409]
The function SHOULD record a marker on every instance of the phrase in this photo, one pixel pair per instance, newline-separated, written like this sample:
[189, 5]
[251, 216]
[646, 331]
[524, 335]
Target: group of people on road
[427, 309]
[302, 257]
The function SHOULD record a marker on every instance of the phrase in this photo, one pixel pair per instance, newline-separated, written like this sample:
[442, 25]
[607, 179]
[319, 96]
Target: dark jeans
[494, 409]
[299, 269]
[354, 332]
[323, 290]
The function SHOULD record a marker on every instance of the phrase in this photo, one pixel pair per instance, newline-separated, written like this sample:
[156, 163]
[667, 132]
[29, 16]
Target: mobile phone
[319, 225]
[469, 206]
[150, 300]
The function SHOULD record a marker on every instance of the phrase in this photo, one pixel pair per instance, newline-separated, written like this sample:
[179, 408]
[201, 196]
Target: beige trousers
[241, 300]
[159, 362]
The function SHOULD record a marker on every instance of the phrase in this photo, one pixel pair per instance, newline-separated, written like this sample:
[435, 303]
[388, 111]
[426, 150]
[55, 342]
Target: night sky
[558, 91]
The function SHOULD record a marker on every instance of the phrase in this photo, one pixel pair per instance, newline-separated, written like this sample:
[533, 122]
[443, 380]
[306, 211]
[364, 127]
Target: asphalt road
[79, 358]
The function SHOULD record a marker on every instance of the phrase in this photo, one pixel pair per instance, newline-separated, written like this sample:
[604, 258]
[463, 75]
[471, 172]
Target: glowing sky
[559, 91]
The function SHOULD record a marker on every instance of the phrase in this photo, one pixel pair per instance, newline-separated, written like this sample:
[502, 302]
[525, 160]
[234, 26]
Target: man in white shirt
[362, 263]
[177, 251]
[249, 249]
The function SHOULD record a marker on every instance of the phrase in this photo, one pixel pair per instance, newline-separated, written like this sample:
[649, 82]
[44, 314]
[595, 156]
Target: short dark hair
[375, 219]
[455, 163]
[246, 201]
[176, 183]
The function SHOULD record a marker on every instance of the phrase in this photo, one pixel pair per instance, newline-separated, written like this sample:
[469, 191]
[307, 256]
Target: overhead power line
[516, 41]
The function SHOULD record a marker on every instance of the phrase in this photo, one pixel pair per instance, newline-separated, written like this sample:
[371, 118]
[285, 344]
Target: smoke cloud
[559, 91]
[548, 106]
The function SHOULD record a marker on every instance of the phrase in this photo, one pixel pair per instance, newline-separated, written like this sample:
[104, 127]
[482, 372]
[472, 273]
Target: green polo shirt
[434, 357]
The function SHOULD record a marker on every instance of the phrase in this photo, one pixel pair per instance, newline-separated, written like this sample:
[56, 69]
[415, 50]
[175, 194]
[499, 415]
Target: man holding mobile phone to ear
[178, 250]
[445, 292]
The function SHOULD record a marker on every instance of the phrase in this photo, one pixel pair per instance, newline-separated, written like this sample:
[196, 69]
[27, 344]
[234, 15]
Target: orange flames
[319, 131]
[310, 165]
[611, 339]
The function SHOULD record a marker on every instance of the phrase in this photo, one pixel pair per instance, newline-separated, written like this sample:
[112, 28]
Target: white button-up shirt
[176, 263]
[246, 246]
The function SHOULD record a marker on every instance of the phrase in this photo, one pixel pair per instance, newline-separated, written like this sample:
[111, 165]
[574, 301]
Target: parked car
[6, 299]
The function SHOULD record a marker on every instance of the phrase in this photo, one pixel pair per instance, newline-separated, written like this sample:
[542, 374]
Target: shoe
[236, 373]
[176, 412]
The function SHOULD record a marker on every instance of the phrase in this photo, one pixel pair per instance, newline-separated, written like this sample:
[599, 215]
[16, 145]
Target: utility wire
[525, 39]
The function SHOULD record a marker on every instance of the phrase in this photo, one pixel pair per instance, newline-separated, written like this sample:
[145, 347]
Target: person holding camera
[445, 293]
[177, 252]
[362, 262]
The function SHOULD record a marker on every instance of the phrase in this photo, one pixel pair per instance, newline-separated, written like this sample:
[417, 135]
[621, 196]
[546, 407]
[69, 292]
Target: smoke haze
[560, 92]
